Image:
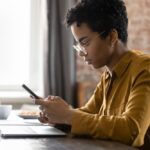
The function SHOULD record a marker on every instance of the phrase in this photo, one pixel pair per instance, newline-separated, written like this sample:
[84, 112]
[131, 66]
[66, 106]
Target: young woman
[119, 108]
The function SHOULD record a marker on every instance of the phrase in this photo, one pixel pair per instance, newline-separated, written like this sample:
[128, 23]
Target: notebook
[30, 131]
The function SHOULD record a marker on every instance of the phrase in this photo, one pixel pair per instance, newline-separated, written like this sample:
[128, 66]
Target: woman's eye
[85, 43]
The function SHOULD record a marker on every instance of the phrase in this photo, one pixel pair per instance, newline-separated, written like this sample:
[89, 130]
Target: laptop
[28, 130]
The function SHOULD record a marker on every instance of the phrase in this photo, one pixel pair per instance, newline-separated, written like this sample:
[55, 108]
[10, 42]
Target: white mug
[5, 111]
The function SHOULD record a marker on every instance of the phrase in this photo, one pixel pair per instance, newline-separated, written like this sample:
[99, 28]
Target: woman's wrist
[70, 115]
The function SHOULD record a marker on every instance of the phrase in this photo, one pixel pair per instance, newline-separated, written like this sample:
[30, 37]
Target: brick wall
[139, 38]
[139, 24]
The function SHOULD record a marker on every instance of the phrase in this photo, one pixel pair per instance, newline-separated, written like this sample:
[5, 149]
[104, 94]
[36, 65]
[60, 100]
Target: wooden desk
[60, 143]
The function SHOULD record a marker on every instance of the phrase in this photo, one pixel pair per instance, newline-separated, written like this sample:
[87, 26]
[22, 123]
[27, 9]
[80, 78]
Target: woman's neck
[119, 50]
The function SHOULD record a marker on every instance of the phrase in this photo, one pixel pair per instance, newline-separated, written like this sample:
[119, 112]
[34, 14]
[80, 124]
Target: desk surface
[61, 143]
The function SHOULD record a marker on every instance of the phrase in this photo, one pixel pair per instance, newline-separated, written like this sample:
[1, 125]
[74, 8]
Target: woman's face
[98, 51]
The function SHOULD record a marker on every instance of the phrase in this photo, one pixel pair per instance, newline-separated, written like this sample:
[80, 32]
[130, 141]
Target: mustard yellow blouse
[119, 108]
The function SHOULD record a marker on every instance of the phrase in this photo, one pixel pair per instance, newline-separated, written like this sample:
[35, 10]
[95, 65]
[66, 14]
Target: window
[20, 54]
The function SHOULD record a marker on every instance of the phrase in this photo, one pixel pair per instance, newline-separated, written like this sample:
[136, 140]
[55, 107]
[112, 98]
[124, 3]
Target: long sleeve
[128, 127]
[95, 102]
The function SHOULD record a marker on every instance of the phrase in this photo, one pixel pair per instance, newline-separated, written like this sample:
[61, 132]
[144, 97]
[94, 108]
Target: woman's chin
[96, 66]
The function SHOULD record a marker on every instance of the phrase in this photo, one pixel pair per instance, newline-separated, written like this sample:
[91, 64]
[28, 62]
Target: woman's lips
[88, 62]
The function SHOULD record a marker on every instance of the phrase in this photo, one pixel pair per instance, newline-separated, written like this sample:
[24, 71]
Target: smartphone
[30, 91]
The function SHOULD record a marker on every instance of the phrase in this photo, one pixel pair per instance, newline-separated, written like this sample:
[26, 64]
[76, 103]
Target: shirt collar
[123, 63]
[108, 72]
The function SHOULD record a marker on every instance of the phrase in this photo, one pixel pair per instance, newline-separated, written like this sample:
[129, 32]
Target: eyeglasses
[82, 48]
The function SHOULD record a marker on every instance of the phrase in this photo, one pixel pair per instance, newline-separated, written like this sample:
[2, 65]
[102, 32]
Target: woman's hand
[55, 110]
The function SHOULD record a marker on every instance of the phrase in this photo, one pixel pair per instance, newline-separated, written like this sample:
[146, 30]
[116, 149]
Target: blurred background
[36, 50]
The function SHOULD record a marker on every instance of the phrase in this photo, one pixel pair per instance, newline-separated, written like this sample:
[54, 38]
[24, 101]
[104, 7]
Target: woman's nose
[82, 54]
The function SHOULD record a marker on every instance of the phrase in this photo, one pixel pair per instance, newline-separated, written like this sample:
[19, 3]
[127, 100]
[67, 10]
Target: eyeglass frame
[79, 48]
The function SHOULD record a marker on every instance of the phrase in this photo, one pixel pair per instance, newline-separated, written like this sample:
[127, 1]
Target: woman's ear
[113, 37]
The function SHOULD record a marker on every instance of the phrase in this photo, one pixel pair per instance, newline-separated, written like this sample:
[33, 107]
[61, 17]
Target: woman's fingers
[45, 101]
[42, 102]
[43, 118]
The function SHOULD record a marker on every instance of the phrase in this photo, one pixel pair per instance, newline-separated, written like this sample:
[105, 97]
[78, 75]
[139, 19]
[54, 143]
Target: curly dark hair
[100, 15]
